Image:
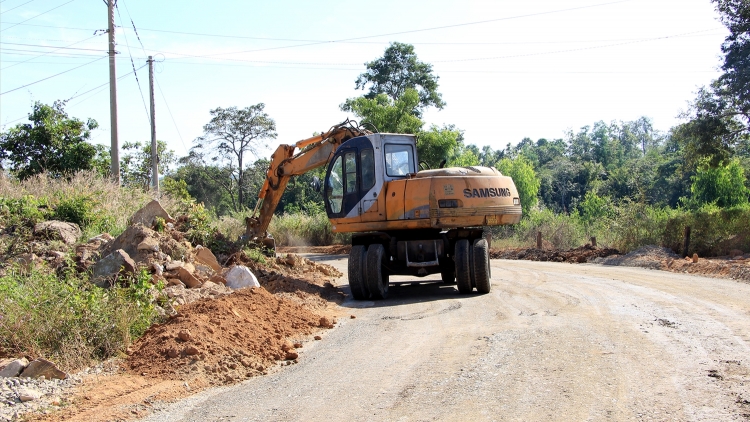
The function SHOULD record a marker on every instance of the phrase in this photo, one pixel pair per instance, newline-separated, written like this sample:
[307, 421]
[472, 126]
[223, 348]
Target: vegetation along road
[550, 342]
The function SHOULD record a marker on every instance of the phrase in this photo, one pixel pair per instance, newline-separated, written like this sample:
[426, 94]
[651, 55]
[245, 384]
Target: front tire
[463, 266]
[357, 265]
[377, 279]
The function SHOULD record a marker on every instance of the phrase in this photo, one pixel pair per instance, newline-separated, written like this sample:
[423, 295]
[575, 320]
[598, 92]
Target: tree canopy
[399, 70]
[53, 142]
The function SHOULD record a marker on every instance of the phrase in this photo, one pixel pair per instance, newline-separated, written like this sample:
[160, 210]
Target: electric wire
[50, 52]
[50, 77]
[177, 128]
[138, 82]
[23, 4]
[34, 17]
[54, 46]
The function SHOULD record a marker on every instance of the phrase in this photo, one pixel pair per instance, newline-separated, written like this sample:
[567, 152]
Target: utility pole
[154, 150]
[115, 145]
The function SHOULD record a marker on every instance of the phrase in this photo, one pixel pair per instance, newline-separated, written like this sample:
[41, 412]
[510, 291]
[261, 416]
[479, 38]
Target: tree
[386, 114]
[52, 143]
[437, 144]
[233, 133]
[399, 70]
[722, 185]
[735, 15]
[522, 172]
[135, 165]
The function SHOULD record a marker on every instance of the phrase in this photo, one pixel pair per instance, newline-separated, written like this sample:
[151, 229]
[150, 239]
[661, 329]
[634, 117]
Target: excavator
[406, 218]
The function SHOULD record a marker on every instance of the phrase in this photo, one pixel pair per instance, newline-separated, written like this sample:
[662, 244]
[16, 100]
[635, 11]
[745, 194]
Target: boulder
[149, 244]
[43, 367]
[148, 214]
[240, 276]
[188, 278]
[218, 279]
[129, 240]
[12, 367]
[58, 230]
[115, 263]
[205, 256]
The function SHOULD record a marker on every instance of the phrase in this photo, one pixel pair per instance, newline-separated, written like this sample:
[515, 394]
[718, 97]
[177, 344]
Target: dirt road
[551, 342]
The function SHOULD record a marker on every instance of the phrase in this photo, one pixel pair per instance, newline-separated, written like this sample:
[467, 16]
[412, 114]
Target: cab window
[336, 186]
[368, 169]
[350, 164]
[398, 160]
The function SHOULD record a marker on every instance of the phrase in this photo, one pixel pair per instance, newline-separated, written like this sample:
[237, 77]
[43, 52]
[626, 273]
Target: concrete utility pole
[115, 145]
[154, 150]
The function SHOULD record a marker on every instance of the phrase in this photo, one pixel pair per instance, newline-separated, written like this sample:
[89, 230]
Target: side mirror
[315, 184]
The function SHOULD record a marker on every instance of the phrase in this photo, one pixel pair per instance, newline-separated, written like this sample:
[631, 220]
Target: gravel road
[551, 342]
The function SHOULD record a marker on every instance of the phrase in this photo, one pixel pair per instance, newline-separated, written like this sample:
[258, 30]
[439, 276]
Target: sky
[507, 69]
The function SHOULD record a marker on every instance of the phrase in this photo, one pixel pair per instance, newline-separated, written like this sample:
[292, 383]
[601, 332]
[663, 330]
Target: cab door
[342, 193]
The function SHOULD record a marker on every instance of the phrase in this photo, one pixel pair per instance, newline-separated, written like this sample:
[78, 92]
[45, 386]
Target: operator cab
[357, 171]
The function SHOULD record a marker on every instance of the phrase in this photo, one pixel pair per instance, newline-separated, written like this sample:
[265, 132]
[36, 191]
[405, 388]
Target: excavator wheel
[481, 264]
[357, 263]
[448, 271]
[463, 266]
[377, 280]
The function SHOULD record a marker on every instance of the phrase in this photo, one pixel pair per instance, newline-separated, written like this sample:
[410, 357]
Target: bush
[69, 320]
[300, 229]
[714, 231]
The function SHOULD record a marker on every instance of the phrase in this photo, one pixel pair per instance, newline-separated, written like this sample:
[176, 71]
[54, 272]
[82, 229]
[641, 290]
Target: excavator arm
[285, 163]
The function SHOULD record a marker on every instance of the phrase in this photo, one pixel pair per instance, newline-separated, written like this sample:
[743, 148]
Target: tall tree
[135, 165]
[53, 142]
[386, 114]
[233, 133]
[398, 70]
[735, 15]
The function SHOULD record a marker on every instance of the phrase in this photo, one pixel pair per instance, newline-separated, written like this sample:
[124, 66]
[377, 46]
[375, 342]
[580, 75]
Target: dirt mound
[328, 250]
[577, 255]
[659, 258]
[224, 340]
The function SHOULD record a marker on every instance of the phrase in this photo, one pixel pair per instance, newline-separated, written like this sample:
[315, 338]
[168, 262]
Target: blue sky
[508, 69]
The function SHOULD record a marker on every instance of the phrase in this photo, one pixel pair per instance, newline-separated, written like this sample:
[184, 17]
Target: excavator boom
[293, 160]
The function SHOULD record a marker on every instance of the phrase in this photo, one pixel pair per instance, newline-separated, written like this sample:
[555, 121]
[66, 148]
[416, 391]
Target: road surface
[550, 342]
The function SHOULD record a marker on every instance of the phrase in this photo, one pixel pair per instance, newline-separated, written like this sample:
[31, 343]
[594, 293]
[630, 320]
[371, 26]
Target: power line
[54, 46]
[50, 77]
[23, 4]
[50, 52]
[140, 90]
[34, 17]
[177, 128]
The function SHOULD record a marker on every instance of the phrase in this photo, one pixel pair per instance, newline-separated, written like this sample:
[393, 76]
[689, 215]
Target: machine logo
[486, 192]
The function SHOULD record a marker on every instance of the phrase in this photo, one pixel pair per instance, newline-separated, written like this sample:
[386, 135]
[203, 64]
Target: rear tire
[448, 271]
[482, 266]
[377, 279]
[463, 266]
[357, 265]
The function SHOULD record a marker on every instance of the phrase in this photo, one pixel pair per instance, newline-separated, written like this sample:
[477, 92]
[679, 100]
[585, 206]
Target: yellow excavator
[407, 219]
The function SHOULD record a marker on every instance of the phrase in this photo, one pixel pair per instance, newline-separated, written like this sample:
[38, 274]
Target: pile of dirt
[578, 255]
[659, 258]
[225, 340]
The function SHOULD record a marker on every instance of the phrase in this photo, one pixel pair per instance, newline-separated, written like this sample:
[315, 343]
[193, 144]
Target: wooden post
[539, 240]
[686, 242]
[593, 241]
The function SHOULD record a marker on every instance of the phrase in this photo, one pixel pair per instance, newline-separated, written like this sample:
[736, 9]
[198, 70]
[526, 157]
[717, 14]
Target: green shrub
[24, 210]
[69, 320]
[302, 229]
[714, 231]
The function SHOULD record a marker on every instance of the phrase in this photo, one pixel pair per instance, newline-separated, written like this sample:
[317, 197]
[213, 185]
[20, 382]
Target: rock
[43, 368]
[115, 263]
[318, 338]
[102, 238]
[736, 252]
[130, 239]
[291, 355]
[174, 282]
[189, 279]
[352, 316]
[287, 346]
[148, 214]
[297, 345]
[12, 367]
[191, 351]
[209, 285]
[158, 270]
[149, 244]
[184, 335]
[239, 277]
[695, 257]
[325, 322]
[171, 266]
[173, 353]
[205, 256]
[218, 279]
[58, 230]
[28, 394]
[56, 254]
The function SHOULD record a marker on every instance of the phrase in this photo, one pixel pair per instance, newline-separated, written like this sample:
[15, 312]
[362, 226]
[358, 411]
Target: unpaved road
[551, 342]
